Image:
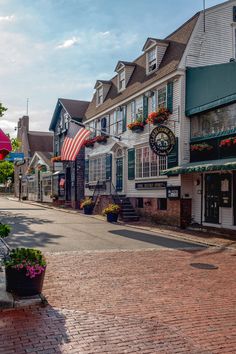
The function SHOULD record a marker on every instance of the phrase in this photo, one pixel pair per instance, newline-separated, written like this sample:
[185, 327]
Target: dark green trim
[86, 170]
[145, 108]
[172, 158]
[170, 87]
[214, 135]
[108, 167]
[206, 107]
[124, 127]
[131, 164]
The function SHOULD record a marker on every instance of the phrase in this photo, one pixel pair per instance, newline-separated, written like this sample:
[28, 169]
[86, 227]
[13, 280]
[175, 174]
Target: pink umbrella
[5, 145]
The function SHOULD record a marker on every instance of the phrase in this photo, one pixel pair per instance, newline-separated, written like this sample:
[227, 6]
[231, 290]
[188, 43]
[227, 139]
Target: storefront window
[148, 164]
[216, 121]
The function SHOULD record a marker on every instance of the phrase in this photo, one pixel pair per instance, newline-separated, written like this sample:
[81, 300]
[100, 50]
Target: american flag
[73, 142]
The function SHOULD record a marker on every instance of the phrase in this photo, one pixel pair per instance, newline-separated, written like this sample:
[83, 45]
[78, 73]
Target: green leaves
[26, 257]
[4, 230]
[2, 110]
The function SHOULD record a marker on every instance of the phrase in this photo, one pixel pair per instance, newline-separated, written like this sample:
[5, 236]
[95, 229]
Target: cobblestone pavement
[143, 301]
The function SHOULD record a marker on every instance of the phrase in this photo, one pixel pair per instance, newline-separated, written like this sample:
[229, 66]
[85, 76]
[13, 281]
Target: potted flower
[24, 268]
[136, 126]
[87, 204]
[112, 211]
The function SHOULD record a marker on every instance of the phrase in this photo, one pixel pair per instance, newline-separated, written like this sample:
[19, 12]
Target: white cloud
[104, 34]
[69, 43]
[10, 18]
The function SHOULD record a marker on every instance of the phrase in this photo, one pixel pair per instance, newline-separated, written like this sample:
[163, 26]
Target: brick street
[162, 299]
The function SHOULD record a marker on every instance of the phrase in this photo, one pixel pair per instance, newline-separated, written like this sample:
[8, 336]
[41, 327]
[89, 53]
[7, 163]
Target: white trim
[179, 72]
[147, 60]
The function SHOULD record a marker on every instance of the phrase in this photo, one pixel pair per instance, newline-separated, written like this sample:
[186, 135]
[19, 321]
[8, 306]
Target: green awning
[203, 166]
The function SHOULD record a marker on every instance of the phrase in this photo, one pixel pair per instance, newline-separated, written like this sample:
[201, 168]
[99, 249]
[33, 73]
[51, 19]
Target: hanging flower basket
[101, 139]
[89, 143]
[56, 159]
[136, 126]
[158, 117]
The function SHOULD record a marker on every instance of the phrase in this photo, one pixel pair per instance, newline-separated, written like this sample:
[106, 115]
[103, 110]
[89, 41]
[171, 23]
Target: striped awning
[203, 166]
[5, 145]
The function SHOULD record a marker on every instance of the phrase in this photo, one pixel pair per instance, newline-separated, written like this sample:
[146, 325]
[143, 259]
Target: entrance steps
[127, 212]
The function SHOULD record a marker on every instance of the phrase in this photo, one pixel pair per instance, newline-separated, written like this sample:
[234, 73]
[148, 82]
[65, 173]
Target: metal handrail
[116, 194]
[96, 188]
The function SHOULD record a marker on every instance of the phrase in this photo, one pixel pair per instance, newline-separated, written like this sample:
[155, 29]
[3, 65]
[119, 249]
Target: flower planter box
[19, 284]
[111, 217]
[88, 209]
[137, 129]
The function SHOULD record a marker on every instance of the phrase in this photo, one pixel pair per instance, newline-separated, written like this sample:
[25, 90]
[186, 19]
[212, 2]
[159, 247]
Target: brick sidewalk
[153, 301]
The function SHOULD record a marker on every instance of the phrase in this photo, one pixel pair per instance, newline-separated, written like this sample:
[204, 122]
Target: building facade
[122, 159]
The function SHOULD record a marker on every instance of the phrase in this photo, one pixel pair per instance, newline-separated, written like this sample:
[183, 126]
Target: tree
[2, 109]
[15, 143]
[6, 171]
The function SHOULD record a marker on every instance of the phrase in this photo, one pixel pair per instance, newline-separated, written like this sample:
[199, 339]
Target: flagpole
[94, 129]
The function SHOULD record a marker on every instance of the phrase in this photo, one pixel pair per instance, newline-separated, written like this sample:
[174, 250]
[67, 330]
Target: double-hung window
[151, 60]
[97, 169]
[121, 76]
[162, 97]
[99, 95]
[148, 164]
[154, 101]
[133, 111]
[118, 121]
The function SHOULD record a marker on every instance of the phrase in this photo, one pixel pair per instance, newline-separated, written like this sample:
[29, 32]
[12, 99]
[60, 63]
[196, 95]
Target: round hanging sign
[162, 140]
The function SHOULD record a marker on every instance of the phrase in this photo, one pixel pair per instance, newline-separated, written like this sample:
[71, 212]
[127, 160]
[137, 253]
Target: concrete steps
[127, 211]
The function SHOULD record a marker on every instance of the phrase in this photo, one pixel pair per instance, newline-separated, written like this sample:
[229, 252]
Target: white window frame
[118, 116]
[121, 80]
[99, 95]
[133, 110]
[160, 104]
[161, 164]
[153, 61]
[97, 169]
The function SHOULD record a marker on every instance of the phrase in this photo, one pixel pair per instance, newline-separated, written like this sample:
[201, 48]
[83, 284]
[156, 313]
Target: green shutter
[108, 166]
[124, 112]
[170, 96]
[145, 108]
[131, 164]
[86, 170]
[173, 157]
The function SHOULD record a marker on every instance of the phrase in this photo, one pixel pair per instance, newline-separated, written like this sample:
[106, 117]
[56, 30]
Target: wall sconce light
[196, 182]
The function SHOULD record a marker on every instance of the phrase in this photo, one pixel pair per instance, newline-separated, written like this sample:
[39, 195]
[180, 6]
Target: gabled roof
[122, 64]
[40, 141]
[153, 41]
[44, 156]
[139, 80]
[102, 82]
[75, 108]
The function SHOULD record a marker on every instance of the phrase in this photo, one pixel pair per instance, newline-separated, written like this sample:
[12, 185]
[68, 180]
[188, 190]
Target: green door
[119, 174]
[212, 198]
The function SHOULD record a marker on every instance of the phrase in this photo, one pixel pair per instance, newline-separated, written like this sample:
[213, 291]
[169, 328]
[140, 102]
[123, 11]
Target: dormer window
[151, 60]
[122, 80]
[99, 96]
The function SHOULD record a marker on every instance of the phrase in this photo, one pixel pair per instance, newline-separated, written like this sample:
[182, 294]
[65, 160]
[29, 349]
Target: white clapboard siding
[184, 153]
[216, 44]
[196, 199]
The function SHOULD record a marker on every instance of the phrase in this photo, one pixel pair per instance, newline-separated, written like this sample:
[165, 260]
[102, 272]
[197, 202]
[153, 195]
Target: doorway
[212, 197]
[119, 174]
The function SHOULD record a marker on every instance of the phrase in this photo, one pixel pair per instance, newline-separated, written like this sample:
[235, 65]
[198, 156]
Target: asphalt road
[55, 231]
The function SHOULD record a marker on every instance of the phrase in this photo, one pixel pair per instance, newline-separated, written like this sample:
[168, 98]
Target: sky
[59, 48]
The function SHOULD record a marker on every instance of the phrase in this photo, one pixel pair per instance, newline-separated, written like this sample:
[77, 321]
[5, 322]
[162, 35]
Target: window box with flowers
[24, 268]
[201, 147]
[229, 142]
[89, 143]
[158, 117]
[101, 139]
[111, 212]
[137, 126]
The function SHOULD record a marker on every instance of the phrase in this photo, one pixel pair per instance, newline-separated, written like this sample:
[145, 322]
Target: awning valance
[5, 145]
[203, 166]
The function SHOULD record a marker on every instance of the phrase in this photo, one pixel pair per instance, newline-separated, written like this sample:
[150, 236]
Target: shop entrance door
[212, 198]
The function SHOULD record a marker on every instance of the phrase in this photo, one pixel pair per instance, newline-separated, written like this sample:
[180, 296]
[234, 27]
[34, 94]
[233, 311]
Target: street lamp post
[20, 185]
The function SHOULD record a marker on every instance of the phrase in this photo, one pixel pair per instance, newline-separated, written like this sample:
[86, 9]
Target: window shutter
[170, 96]
[145, 108]
[173, 157]
[131, 164]
[124, 113]
[86, 170]
[108, 167]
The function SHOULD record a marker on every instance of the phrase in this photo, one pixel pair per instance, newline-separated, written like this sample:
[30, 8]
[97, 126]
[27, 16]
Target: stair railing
[115, 195]
[95, 197]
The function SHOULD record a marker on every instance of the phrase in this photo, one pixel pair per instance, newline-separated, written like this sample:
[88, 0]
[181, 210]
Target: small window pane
[162, 97]
[162, 203]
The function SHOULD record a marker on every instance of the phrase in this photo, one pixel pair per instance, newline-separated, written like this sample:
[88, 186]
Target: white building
[126, 164]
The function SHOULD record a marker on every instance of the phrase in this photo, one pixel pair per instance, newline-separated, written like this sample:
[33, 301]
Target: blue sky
[59, 48]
